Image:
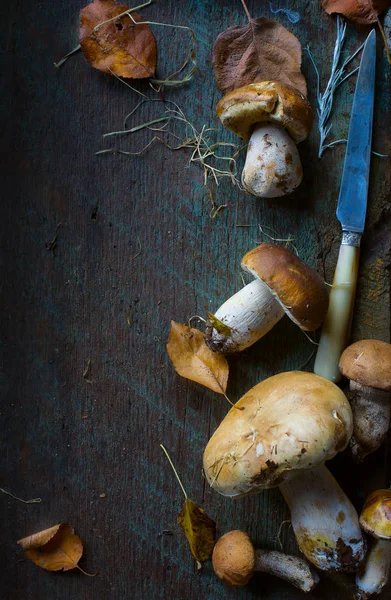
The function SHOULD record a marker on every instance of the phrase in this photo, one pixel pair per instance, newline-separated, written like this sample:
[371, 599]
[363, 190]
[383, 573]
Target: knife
[351, 211]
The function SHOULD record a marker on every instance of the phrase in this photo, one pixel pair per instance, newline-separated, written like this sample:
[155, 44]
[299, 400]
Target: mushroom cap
[233, 558]
[375, 517]
[241, 109]
[301, 292]
[369, 363]
[289, 422]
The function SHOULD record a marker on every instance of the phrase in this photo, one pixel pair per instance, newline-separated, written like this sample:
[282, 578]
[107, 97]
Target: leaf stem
[33, 501]
[174, 469]
[384, 40]
[246, 11]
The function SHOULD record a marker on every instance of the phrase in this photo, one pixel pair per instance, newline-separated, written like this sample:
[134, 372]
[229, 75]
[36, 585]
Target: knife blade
[351, 212]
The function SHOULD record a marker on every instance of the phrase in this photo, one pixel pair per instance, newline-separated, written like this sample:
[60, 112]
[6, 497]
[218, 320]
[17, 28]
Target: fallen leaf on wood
[199, 529]
[262, 50]
[120, 46]
[193, 360]
[54, 549]
[363, 12]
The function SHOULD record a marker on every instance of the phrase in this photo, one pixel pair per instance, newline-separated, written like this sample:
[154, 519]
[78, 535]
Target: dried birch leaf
[119, 46]
[193, 360]
[199, 529]
[54, 549]
[262, 50]
[363, 12]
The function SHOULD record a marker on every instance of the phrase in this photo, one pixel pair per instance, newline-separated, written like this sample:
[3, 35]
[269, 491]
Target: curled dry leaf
[120, 46]
[199, 529]
[54, 549]
[363, 12]
[262, 50]
[193, 360]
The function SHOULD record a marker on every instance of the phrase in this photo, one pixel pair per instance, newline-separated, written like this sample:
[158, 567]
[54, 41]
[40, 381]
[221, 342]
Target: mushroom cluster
[289, 425]
[274, 117]
[283, 284]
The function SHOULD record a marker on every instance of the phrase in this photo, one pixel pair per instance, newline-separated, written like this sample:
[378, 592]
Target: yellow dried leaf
[199, 529]
[193, 360]
[119, 46]
[54, 549]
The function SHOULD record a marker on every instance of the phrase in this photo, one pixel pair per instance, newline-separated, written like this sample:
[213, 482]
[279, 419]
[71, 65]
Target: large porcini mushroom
[368, 366]
[288, 426]
[235, 560]
[284, 284]
[375, 519]
[274, 117]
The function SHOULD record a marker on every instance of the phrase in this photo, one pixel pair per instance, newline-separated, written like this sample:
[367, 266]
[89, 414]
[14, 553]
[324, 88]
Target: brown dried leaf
[199, 529]
[193, 359]
[54, 549]
[262, 50]
[126, 49]
[363, 12]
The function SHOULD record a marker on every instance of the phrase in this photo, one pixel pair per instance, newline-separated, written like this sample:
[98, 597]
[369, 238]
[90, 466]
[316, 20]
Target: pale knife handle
[336, 327]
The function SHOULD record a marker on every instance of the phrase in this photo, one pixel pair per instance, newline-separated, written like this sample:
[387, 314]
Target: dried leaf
[54, 549]
[120, 47]
[363, 12]
[193, 359]
[199, 529]
[262, 50]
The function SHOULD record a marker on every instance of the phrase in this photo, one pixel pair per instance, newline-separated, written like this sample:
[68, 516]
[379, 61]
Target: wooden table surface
[105, 297]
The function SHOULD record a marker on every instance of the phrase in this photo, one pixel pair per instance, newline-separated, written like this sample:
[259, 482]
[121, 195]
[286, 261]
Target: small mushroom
[375, 519]
[235, 560]
[284, 284]
[274, 117]
[288, 426]
[368, 366]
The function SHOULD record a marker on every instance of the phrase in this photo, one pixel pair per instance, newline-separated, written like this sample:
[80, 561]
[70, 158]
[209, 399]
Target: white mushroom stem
[272, 168]
[373, 574]
[371, 419]
[324, 520]
[248, 315]
[293, 569]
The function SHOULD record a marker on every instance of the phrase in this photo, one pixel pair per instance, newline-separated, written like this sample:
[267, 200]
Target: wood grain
[69, 440]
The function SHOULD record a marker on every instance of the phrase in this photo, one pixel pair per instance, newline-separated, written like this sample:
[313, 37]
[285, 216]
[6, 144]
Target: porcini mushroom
[288, 426]
[284, 284]
[274, 117]
[235, 560]
[368, 366]
[375, 519]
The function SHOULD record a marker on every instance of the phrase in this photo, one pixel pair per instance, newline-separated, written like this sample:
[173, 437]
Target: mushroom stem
[292, 569]
[373, 574]
[371, 419]
[324, 520]
[247, 316]
[272, 168]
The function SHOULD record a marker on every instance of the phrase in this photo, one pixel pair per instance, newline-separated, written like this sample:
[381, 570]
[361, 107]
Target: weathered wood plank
[69, 441]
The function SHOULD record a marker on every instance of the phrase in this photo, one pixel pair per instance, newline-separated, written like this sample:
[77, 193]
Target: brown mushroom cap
[234, 558]
[288, 422]
[375, 517]
[298, 288]
[241, 109]
[369, 363]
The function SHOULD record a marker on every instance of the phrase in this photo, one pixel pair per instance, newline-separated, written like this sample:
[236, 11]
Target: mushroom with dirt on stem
[283, 284]
[367, 364]
[274, 117]
[289, 425]
[235, 560]
[375, 519]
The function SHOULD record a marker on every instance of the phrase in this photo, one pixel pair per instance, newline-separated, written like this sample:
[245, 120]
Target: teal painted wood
[69, 441]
